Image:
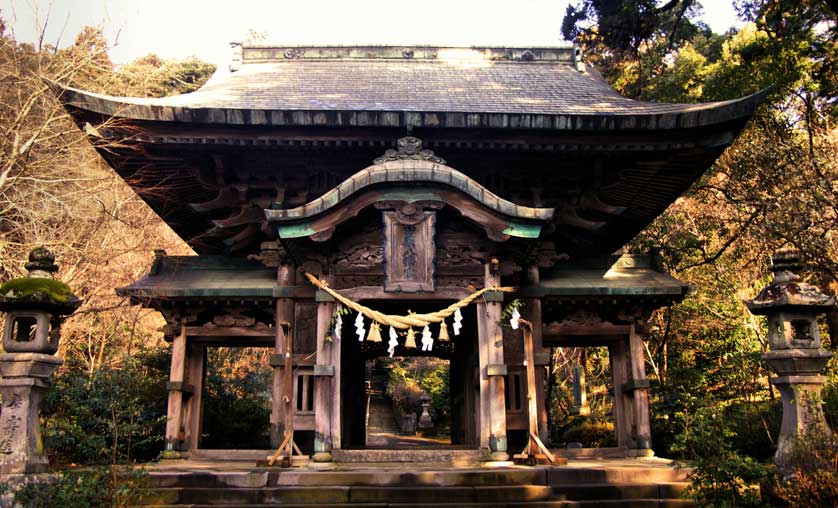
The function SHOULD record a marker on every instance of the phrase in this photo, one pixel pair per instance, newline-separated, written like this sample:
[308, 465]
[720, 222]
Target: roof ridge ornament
[409, 148]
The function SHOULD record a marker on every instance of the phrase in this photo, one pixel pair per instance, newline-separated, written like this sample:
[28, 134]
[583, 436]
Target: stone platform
[598, 483]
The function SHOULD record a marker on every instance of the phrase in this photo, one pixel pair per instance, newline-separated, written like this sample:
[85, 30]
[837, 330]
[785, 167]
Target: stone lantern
[425, 421]
[792, 308]
[35, 306]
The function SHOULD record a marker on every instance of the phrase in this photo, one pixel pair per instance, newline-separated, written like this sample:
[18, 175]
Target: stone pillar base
[498, 456]
[640, 452]
[322, 457]
[802, 414]
[21, 449]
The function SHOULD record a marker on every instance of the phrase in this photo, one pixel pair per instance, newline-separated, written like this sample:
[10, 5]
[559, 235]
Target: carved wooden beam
[414, 171]
[246, 215]
[226, 198]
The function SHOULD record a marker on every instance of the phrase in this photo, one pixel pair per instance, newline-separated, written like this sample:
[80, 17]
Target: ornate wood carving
[409, 148]
[409, 249]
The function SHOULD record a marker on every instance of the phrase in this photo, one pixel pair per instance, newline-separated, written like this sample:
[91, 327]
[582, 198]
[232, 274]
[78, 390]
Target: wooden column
[532, 313]
[617, 353]
[196, 360]
[174, 414]
[638, 388]
[492, 368]
[324, 375]
[284, 313]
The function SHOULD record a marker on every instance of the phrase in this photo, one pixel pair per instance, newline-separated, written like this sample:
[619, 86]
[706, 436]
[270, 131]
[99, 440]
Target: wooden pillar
[492, 368]
[196, 358]
[324, 376]
[638, 388]
[532, 313]
[174, 414]
[617, 353]
[284, 313]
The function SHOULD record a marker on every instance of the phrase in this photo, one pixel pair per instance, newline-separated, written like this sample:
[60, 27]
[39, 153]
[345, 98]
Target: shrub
[115, 415]
[813, 481]
[104, 487]
[591, 432]
[727, 480]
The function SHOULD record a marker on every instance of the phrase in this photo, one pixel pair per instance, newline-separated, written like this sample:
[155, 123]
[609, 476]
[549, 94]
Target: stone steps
[614, 503]
[503, 488]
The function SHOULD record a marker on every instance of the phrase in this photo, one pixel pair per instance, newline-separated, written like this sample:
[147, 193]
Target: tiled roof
[453, 80]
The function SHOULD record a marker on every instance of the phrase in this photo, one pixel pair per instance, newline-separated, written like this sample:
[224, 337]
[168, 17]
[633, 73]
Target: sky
[204, 28]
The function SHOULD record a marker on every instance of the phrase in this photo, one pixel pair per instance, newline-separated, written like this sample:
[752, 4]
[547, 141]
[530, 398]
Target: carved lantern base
[22, 387]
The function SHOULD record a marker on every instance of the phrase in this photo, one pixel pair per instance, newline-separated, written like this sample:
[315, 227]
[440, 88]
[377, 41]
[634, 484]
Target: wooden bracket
[324, 370]
[321, 296]
[636, 384]
[180, 386]
[496, 369]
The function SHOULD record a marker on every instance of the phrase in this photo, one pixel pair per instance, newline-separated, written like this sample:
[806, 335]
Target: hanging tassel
[411, 339]
[443, 332]
[513, 321]
[375, 333]
[394, 341]
[338, 325]
[458, 321]
[427, 340]
[359, 327]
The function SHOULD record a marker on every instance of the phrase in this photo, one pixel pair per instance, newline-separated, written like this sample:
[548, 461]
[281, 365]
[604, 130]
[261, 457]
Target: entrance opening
[237, 399]
[382, 397]
[408, 402]
[581, 393]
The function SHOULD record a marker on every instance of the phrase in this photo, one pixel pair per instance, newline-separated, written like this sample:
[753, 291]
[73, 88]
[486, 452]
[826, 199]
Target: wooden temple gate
[265, 172]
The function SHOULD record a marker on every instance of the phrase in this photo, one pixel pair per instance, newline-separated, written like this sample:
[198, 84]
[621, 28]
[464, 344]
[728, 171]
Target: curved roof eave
[645, 116]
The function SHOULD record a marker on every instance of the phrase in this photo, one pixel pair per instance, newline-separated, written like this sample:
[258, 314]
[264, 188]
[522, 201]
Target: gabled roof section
[617, 276]
[421, 86]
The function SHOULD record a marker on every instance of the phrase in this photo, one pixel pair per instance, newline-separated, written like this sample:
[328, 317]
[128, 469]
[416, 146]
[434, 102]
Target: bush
[813, 481]
[237, 400]
[107, 487]
[591, 432]
[113, 416]
[727, 480]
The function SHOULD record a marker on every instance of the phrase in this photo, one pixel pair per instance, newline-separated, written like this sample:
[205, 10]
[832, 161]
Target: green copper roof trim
[295, 231]
[523, 230]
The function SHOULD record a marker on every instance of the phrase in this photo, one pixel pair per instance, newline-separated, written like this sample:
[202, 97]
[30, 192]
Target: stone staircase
[399, 487]
[381, 419]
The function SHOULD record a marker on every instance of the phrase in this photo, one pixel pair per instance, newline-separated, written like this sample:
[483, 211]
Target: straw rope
[411, 320]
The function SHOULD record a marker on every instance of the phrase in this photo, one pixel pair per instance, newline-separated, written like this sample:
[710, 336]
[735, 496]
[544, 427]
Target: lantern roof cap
[787, 291]
[38, 290]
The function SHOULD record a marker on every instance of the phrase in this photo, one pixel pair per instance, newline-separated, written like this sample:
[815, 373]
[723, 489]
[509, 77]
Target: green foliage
[340, 311]
[727, 481]
[592, 432]
[813, 481]
[84, 488]
[411, 378]
[435, 384]
[237, 400]
[114, 415]
[506, 313]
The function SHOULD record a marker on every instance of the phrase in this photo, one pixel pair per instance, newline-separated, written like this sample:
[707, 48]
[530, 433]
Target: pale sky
[204, 28]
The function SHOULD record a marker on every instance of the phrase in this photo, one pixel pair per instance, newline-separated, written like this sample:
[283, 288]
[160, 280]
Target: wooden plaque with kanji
[409, 250]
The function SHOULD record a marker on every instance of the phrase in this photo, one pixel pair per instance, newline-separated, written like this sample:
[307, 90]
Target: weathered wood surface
[174, 413]
[490, 344]
[284, 324]
[193, 415]
[323, 387]
[622, 409]
[640, 395]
